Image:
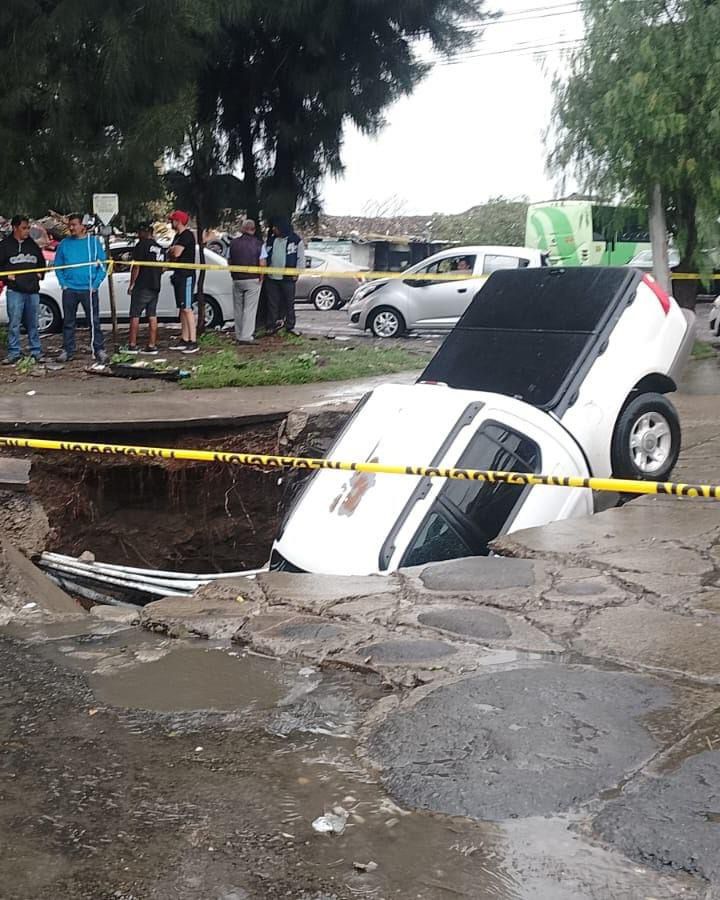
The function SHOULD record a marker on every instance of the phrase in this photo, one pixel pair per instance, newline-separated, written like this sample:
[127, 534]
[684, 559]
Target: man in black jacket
[19, 252]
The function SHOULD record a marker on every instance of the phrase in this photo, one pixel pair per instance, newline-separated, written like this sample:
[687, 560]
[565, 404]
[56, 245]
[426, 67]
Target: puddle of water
[193, 679]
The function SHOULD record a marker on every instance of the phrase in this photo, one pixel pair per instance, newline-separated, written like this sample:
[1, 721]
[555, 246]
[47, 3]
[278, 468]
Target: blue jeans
[23, 308]
[70, 300]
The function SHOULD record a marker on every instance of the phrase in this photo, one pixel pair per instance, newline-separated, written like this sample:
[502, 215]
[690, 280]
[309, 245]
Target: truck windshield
[467, 515]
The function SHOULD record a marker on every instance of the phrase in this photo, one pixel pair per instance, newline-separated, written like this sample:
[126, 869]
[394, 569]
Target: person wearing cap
[144, 288]
[246, 250]
[19, 252]
[284, 250]
[182, 250]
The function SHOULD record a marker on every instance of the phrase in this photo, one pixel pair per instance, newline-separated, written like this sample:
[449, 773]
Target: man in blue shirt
[80, 285]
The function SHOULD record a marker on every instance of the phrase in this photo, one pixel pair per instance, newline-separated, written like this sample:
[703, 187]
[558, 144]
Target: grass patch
[702, 350]
[212, 340]
[25, 366]
[301, 361]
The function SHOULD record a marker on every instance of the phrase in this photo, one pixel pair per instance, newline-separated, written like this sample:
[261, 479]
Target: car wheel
[213, 313]
[49, 318]
[325, 298]
[386, 322]
[646, 442]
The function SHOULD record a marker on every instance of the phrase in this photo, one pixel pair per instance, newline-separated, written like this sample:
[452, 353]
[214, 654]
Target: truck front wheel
[646, 442]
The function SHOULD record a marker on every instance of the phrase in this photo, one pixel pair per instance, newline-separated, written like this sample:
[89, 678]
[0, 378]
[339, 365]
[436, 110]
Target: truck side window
[467, 515]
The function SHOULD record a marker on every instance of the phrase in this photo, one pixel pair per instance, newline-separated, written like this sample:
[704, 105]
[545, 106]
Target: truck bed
[534, 334]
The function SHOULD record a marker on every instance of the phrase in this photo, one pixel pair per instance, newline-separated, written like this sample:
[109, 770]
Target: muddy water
[190, 679]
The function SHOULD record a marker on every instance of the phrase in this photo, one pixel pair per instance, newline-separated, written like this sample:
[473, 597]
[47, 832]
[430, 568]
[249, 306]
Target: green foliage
[99, 96]
[92, 96]
[25, 366]
[640, 107]
[287, 77]
[702, 350]
[326, 361]
[499, 221]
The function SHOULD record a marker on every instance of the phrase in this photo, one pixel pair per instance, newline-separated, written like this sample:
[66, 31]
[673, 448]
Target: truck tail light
[659, 292]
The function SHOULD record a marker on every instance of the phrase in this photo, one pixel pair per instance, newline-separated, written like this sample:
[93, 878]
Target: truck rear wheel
[646, 442]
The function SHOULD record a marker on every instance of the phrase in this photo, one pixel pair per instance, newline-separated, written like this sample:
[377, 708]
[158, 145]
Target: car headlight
[364, 291]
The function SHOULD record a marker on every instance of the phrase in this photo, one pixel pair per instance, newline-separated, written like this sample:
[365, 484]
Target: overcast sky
[472, 130]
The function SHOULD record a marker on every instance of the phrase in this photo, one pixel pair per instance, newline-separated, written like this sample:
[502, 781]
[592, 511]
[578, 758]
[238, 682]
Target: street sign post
[105, 207]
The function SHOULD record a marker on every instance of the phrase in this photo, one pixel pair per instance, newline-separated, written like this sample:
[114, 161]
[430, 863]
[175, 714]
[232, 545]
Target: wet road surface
[135, 767]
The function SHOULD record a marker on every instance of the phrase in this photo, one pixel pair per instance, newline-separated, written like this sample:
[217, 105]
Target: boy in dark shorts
[182, 250]
[144, 288]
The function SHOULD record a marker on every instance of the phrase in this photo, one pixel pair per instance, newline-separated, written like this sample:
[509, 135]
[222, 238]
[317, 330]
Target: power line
[518, 50]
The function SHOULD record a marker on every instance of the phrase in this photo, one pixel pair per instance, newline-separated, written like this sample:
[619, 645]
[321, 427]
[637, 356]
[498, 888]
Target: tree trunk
[201, 279]
[250, 179]
[658, 239]
[686, 290]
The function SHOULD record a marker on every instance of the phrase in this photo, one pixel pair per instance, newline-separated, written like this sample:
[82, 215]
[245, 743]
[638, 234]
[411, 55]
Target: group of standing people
[284, 249]
[84, 255]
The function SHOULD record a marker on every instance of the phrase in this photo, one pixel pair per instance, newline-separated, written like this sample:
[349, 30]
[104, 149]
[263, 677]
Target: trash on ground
[330, 823]
[365, 867]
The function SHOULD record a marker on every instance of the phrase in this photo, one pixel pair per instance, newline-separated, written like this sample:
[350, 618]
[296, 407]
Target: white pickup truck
[552, 371]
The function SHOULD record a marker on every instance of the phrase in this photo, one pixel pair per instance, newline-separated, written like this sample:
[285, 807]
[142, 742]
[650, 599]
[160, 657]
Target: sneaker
[40, 359]
[150, 350]
[101, 357]
[293, 331]
[10, 360]
[63, 357]
[245, 343]
[180, 346]
[129, 348]
[191, 347]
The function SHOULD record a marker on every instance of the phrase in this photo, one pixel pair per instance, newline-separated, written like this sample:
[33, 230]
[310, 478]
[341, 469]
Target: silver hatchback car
[390, 307]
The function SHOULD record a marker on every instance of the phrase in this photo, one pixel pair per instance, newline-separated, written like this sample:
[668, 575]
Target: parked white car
[552, 371]
[390, 307]
[218, 294]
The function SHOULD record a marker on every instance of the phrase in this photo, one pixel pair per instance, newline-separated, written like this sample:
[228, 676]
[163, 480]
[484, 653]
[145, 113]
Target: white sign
[105, 207]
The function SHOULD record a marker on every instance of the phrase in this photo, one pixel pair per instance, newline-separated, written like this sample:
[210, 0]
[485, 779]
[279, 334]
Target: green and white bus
[582, 232]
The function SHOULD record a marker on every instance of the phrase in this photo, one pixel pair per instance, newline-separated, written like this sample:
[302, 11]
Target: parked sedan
[218, 294]
[390, 307]
[327, 291]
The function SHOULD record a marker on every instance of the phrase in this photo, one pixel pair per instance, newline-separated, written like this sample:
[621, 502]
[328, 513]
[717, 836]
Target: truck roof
[534, 334]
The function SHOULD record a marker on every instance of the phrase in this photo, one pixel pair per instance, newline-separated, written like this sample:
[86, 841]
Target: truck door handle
[462, 290]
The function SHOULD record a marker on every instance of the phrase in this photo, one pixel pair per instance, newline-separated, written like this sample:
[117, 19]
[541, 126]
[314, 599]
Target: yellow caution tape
[616, 485]
[296, 273]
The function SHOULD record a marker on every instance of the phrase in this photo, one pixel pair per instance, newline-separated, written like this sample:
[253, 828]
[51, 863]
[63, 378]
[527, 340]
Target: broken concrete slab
[486, 626]
[521, 742]
[25, 584]
[473, 622]
[511, 584]
[478, 573]
[287, 633]
[14, 474]
[637, 524]
[214, 611]
[671, 821]
[405, 652]
[121, 615]
[317, 593]
[648, 637]
[578, 587]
